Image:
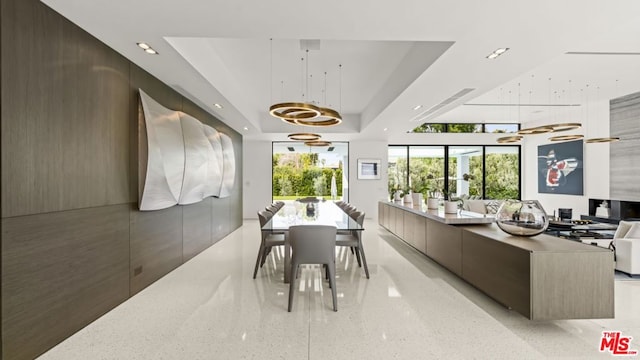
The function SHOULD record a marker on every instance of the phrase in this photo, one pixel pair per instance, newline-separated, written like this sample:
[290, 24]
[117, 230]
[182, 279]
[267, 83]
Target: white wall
[365, 194]
[256, 172]
[596, 160]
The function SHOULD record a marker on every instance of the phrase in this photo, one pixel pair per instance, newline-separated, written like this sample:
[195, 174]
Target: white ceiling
[394, 56]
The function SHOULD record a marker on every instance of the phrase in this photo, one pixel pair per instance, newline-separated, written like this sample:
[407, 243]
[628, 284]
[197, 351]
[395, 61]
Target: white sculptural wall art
[187, 161]
[228, 159]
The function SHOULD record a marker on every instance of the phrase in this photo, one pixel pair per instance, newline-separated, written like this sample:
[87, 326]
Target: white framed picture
[369, 169]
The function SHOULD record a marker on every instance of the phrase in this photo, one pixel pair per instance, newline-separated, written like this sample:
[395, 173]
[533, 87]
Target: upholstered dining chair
[313, 244]
[349, 209]
[626, 241]
[273, 208]
[354, 241]
[267, 241]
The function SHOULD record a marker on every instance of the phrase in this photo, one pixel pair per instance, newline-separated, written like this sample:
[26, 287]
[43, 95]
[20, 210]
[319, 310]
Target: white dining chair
[313, 244]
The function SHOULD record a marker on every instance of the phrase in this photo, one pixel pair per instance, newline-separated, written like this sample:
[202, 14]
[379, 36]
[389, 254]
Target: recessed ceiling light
[417, 107]
[385, 129]
[217, 105]
[246, 128]
[147, 48]
[497, 52]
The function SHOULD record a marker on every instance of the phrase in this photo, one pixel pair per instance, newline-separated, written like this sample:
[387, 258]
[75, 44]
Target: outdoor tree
[286, 188]
[300, 175]
[319, 185]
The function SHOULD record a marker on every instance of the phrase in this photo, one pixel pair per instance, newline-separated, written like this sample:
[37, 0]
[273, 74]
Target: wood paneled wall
[64, 98]
[74, 244]
[60, 271]
[625, 155]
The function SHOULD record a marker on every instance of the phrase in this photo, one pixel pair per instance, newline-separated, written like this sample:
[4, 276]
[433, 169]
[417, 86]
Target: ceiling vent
[430, 111]
[309, 44]
[600, 53]
[290, 148]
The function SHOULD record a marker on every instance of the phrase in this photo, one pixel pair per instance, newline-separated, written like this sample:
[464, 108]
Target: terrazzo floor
[410, 308]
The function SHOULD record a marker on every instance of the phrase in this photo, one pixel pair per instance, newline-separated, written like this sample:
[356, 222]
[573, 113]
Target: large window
[426, 168]
[489, 172]
[398, 169]
[502, 177]
[466, 128]
[300, 171]
[465, 171]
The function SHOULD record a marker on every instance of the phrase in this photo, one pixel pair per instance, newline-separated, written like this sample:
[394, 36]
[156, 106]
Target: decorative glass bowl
[522, 218]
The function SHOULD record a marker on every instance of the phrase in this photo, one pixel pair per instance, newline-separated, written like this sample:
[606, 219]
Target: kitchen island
[542, 277]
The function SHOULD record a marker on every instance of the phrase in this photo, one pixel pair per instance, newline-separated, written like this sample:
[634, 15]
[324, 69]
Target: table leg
[287, 258]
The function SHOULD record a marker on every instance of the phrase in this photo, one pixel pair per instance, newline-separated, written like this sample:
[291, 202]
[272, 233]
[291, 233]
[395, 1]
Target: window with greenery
[465, 171]
[466, 128]
[397, 168]
[430, 128]
[308, 172]
[501, 128]
[426, 168]
[503, 172]
[490, 172]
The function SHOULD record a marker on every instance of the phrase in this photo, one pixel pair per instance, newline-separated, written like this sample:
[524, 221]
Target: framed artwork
[369, 169]
[560, 168]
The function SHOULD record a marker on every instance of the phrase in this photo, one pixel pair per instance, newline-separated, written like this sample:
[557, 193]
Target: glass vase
[522, 217]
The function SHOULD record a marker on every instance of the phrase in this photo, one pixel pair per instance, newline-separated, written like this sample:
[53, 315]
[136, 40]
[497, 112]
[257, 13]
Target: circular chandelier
[292, 111]
[303, 137]
[306, 113]
[327, 117]
[317, 143]
[536, 130]
[509, 139]
[565, 126]
[566, 137]
[602, 140]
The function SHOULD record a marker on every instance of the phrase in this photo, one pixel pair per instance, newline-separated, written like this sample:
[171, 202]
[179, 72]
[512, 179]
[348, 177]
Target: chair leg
[258, 260]
[292, 284]
[364, 259]
[265, 253]
[332, 284]
[358, 257]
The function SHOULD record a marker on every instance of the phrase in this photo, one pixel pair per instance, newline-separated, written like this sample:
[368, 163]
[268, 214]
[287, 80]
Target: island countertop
[461, 217]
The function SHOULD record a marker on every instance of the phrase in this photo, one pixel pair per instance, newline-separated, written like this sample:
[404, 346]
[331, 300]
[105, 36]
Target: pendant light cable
[340, 90]
[271, 69]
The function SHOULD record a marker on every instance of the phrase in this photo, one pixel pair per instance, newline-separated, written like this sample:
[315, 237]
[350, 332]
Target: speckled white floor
[411, 308]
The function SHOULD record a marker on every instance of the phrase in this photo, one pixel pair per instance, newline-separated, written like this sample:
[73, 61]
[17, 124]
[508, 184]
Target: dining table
[314, 212]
